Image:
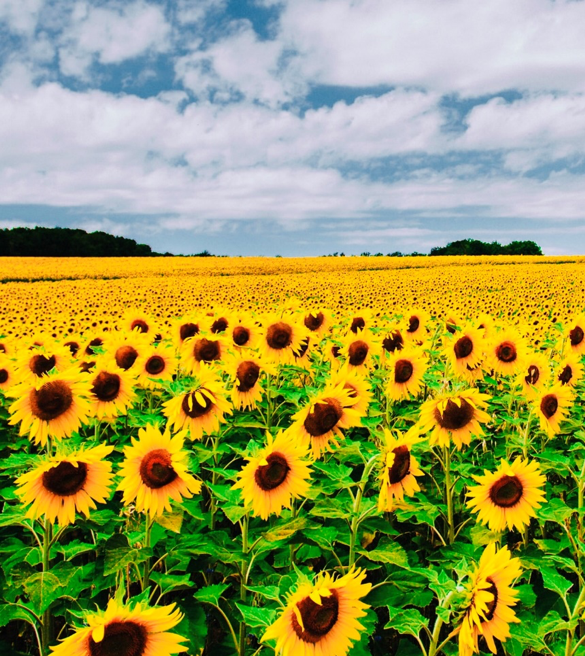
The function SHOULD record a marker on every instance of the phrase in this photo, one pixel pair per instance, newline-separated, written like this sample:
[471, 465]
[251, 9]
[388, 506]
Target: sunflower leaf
[406, 620]
[255, 617]
[554, 581]
[211, 594]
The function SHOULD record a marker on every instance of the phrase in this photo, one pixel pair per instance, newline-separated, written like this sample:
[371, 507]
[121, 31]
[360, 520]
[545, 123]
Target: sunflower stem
[569, 650]
[46, 620]
[244, 525]
[433, 648]
[356, 519]
[449, 494]
[580, 496]
[147, 531]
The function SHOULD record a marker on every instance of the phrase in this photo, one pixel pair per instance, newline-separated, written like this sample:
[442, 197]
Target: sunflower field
[313, 457]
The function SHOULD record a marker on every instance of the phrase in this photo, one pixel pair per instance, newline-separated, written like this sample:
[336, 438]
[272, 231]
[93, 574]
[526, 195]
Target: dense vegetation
[68, 242]
[477, 247]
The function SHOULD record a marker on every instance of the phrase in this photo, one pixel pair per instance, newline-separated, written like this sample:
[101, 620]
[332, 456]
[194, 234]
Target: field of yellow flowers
[292, 457]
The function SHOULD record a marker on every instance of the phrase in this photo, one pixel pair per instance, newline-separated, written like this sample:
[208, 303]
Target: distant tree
[476, 247]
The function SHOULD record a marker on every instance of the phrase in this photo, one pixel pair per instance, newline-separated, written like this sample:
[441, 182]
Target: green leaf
[234, 513]
[170, 582]
[285, 530]
[9, 612]
[406, 620]
[391, 553]
[212, 593]
[117, 559]
[555, 510]
[171, 521]
[554, 581]
[331, 508]
[271, 592]
[255, 617]
[42, 589]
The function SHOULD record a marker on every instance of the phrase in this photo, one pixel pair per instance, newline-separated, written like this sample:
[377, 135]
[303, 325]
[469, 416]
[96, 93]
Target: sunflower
[74, 346]
[486, 324]
[575, 333]
[509, 496]
[244, 333]
[302, 355]
[358, 350]
[202, 350]
[93, 345]
[551, 406]
[38, 362]
[155, 470]
[282, 337]
[331, 351]
[399, 469]
[570, 370]
[489, 600]
[135, 321]
[52, 406]
[7, 375]
[6, 347]
[505, 352]
[321, 618]
[393, 341]
[201, 408]
[112, 389]
[317, 321]
[126, 631]
[245, 372]
[534, 375]
[359, 321]
[126, 348]
[357, 387]
[405, 372]
[184, 328]
[321, 420]
[415, 323]
[274, 477]
[451, 323]
[156, 362]
[62, 485]
[454, 415]
[464, 349]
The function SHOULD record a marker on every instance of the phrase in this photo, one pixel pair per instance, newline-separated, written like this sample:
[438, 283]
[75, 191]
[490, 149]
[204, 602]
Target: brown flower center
[451, 326]
[2, 348]
[491, 605]
[106, 386]
[506, 491]
[323, 417]
[126, 356]
[335, 351]
[566, 375]
[455, 416]
[41, 364]
[403, 371]
[192, 408]
[120, 639]
[241, 335]
[219, 325]
[205, 350]
[533, 375]
[65, 479]
[358, 352]
[358, 323]
[72, 346]
[140, 325]
[318, 619]
[154, 365]
[314, 321]
[247, 375]
[156, 469]
[302, 349]
[269, 477]
[401, 465]
[576, 335]
[549, 405]
[97, 341]
[51, 401]
[393, 342]
[279, 335]
[87, 366]
[3, 376]
[351, 390]
[413, 324]
[188, 330]
[463, 347]
[506, 352]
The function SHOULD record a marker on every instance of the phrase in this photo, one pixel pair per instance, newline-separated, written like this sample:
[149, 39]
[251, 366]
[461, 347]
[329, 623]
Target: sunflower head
[415, 322]
[464, 349]
[317, 321]
[112, 389]
[551, 406]
[405, 372]
[7, 374]
[574, 331]
[202, 349]
[156, 363]
[534, 375]
[506, 352]
[358, 350]
[282, 337]
[137, 321]
[509, 496]
[399, 468]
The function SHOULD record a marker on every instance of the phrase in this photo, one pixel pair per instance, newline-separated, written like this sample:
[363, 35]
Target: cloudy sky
[296, 127]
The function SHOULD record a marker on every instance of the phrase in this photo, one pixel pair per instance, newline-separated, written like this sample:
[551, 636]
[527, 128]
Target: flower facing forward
[62, 485]
[154, 471]
[276, 476]
[508, 497]
[125, 631]
[490, 597]
[321, 618]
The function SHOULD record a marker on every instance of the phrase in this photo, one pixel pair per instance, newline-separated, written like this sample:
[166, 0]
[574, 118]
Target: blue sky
[295, 127]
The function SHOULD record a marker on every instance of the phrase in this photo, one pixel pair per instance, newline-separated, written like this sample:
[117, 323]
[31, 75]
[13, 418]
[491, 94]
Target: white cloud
[21, 16]
[194, 11]
[111, 34]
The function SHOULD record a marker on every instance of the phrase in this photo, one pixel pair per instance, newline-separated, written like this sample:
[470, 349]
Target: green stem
[356, 519]
[46, 620]
[569, 650]
[433, 648]
[580, 491]
[449, 494]
[244, 524]
[147, 531]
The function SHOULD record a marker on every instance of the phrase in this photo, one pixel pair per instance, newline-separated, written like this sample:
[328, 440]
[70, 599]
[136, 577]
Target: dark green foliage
[68, 242]
[477, 247]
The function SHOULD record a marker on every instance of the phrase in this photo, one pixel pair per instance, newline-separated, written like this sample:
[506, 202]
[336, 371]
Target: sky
[296, 127]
